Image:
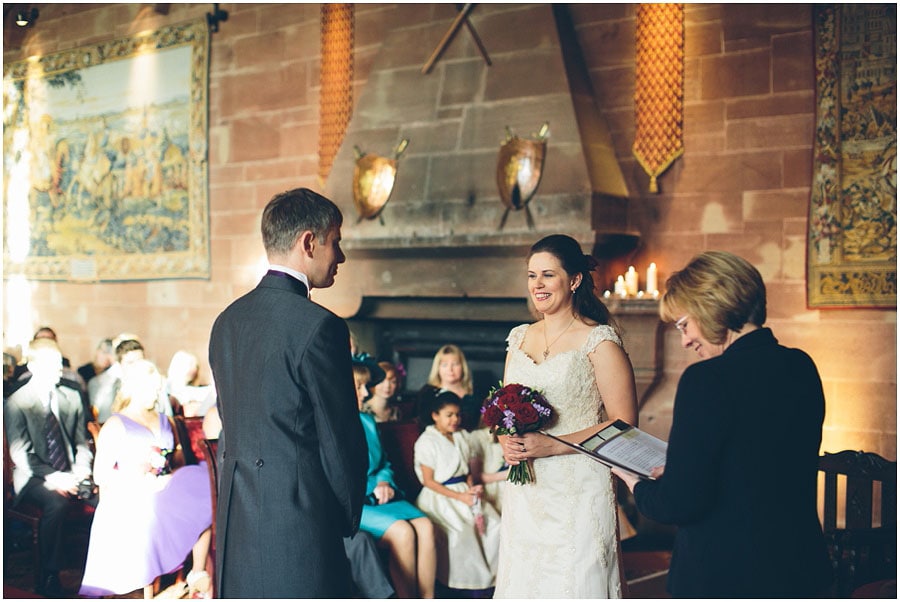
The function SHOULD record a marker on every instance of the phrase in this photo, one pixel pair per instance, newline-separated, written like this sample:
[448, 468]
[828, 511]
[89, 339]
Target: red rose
[492, 416]
[526, 414]
[507, 398]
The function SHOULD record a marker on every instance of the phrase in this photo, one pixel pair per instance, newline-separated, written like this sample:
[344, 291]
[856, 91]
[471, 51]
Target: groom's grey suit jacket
[293, 453]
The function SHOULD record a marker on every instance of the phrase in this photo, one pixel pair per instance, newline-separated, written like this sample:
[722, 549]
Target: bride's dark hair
[567, 250]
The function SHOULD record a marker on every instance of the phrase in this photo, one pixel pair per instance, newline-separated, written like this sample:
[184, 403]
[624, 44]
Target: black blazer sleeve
[694, 459]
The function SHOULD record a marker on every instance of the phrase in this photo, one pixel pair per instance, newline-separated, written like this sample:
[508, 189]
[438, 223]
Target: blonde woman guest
[559, 534]
[450, 372]
[184, 386]
[150, 517]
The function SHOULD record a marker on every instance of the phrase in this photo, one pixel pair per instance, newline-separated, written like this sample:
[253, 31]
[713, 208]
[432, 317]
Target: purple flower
[509, 419]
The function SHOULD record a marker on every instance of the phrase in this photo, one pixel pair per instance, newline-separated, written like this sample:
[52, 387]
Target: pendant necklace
[548, 345]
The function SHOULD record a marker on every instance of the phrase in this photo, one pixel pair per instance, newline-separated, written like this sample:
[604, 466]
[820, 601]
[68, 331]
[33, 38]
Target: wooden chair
[861, 551]
[189, 432]
[25, 513]
[398, 440]
[210, 449]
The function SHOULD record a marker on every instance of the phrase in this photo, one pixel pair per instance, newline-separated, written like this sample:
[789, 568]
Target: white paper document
[624, 446]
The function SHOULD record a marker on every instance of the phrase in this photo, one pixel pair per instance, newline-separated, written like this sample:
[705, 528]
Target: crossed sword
[462, 17]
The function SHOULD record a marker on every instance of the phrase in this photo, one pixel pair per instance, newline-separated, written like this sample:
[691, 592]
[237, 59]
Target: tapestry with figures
[105, 160]
[852, 240]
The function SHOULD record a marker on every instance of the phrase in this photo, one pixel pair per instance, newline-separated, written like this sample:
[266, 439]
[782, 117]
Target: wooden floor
[645, 568]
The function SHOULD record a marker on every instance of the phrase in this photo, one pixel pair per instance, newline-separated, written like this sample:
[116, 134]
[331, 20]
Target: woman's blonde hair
[434, 377]
[720, 291]
[361, 375]
[132, 373]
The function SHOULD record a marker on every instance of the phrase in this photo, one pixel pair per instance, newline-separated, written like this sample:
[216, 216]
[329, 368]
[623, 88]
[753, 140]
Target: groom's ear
[306, 243]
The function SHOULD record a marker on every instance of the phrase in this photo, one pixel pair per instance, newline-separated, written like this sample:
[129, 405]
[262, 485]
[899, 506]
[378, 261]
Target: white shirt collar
[291, 272]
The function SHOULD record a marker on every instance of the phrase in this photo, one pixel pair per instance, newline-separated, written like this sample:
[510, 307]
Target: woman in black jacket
[741, 468]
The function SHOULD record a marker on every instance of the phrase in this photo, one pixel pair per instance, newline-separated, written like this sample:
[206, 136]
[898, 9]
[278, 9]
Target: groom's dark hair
[290, 213]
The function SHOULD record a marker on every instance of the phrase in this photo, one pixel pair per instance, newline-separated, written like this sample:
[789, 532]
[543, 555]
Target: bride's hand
[537, 445]
[517, 449]
[512, 448]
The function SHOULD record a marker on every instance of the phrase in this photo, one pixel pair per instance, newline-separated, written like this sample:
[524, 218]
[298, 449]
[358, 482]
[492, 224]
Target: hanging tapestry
[105, 160]
[852, 238]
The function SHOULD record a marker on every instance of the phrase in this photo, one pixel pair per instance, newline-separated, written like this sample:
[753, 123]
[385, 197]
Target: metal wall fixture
[373, 181]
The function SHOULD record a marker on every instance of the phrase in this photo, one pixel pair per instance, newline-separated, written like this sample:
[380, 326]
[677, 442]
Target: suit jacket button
[259, 463]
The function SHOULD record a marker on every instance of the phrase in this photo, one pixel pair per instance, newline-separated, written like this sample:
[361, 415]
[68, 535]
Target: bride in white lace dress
[558, 534]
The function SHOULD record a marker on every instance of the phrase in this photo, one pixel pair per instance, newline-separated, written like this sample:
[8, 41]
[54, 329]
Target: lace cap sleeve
[601, 333]
[516, 336]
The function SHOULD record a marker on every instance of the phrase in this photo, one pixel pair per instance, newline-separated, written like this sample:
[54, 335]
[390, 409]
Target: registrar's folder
[624, 446]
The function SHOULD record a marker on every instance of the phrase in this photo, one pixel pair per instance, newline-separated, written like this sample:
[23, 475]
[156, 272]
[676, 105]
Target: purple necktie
[55, 444]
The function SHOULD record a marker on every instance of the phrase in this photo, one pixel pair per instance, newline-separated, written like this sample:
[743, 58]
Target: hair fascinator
[367, 361]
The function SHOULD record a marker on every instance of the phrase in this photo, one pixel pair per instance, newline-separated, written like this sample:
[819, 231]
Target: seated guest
[380, 404]
[104, 356]
[398, 525]
[10, 361]
[212, 424]
[489, 467]
[184, 388]
[467, 527]
[450, 372]
[103, 388]
[48, 446]
[151, 514]
[70, 378]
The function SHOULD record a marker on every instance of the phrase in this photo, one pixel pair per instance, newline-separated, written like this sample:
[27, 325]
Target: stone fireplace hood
[445, 201]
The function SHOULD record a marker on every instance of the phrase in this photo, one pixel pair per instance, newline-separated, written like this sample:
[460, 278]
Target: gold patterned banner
[105, 167]
[336, 78]
[852, 239]
[659, 88]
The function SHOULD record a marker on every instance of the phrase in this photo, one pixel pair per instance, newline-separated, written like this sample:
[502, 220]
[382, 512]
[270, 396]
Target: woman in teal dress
[395, 523]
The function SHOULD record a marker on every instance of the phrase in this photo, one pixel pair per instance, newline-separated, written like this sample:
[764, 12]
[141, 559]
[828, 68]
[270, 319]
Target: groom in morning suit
[293, 454]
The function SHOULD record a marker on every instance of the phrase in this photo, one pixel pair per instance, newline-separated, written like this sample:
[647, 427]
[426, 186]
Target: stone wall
[742, 184]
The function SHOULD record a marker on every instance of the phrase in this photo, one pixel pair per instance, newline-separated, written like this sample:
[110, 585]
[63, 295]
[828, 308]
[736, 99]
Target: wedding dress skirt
[558, 534]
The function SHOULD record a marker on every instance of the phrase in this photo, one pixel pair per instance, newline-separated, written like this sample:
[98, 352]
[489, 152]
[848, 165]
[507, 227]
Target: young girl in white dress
[467, 530]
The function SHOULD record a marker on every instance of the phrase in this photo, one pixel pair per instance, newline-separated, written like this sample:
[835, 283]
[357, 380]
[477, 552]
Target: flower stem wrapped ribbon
[514, 410]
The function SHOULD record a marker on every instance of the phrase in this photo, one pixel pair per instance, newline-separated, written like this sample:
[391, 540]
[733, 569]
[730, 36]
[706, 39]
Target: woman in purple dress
[149, 518]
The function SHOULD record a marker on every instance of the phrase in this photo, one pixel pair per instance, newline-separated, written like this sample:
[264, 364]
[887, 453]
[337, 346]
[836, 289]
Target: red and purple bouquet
[513, 410]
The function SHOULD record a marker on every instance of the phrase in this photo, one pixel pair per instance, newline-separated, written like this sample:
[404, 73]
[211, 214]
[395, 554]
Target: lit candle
[620, 286]
[631, 282]
[651, 279]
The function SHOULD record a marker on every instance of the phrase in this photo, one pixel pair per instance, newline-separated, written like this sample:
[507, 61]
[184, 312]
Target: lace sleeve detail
[598, 335]
[516, 336]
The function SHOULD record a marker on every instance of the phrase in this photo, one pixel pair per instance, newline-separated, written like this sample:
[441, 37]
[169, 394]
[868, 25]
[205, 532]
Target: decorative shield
[373, 181]
[519, 167]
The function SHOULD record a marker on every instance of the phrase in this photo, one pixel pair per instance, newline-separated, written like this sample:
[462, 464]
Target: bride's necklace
[548, 345]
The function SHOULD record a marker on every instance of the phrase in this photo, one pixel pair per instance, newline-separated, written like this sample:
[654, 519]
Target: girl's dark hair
[567, 250]
[432, 399]
[444, 398]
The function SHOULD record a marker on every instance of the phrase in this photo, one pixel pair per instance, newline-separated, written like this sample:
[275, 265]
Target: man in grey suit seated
[48, 445]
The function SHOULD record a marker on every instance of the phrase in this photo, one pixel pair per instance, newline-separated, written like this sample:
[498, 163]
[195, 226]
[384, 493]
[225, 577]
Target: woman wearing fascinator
[559, 533]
